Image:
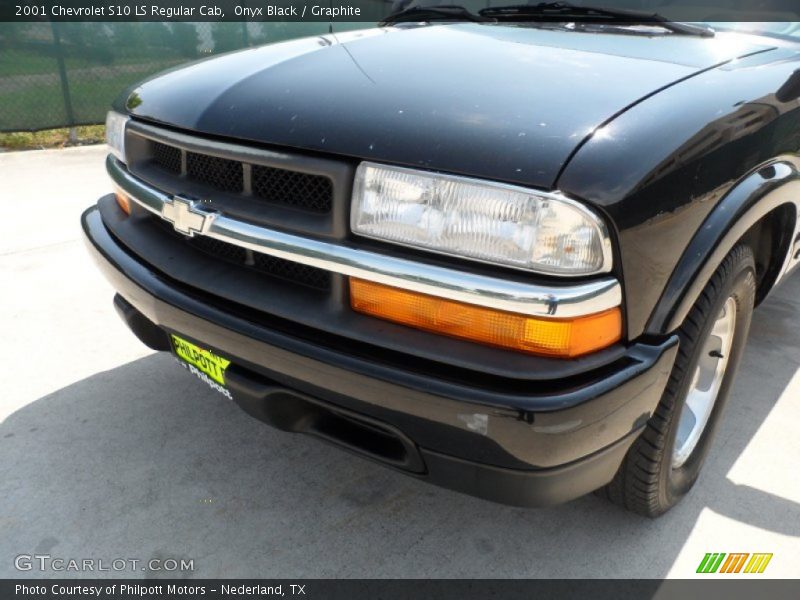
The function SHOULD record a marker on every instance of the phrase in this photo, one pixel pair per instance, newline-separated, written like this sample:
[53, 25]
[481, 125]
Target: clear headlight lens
[115, 133]
[480, 220]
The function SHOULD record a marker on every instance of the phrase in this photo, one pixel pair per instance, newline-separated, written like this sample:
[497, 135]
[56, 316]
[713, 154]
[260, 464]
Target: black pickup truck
[514, 253]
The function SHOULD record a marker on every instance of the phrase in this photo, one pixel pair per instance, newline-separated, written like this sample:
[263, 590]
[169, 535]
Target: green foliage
[185, 39]
[157, 35]
[226, 36]
[51, 138]
[12, 34]
[103, 59]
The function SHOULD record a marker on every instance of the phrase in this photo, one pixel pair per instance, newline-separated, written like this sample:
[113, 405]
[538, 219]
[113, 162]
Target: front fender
[659, 170]
[775, 185]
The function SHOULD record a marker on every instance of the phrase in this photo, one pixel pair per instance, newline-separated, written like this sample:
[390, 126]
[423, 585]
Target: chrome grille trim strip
[556, 301]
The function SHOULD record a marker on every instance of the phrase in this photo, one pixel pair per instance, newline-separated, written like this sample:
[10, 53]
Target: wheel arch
[762, 209]
[771, 239]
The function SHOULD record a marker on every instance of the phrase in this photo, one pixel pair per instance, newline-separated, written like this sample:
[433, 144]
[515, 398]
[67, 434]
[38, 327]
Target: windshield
[779, 18]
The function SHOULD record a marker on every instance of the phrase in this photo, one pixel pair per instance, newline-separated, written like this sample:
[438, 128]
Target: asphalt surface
[112, 451]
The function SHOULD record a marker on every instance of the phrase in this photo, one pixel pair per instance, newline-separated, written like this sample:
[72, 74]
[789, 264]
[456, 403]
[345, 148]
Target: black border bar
[731, 587]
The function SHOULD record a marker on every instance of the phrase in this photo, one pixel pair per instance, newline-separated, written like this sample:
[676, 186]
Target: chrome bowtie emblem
[186, 215]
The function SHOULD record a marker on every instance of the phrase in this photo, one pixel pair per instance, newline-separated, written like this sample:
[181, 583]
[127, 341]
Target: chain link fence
[67, 74]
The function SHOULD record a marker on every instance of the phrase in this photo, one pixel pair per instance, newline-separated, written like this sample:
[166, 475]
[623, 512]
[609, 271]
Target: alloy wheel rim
[706, 383]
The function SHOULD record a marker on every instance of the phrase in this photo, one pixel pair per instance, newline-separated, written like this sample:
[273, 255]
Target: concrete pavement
[111, 451]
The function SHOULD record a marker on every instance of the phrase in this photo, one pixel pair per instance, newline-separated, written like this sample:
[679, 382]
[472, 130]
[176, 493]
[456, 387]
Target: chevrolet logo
[187, 216]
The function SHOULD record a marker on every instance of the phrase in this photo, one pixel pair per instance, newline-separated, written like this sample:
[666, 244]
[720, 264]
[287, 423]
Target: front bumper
[529, 447]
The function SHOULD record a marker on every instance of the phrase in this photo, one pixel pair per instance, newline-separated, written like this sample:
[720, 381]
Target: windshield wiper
[561, 11]
[434, 13]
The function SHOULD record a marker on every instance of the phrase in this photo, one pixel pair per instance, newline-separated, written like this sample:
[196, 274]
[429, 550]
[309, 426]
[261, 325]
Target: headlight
[480, 220]
[115, 133]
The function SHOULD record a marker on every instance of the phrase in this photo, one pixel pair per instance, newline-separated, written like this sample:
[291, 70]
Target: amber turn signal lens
[564, 338]
[123, 201]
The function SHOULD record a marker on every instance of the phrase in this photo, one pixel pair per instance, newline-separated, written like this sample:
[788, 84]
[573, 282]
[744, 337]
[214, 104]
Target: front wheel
[664, 462]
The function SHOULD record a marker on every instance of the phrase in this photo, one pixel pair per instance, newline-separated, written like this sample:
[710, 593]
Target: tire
[662, 465]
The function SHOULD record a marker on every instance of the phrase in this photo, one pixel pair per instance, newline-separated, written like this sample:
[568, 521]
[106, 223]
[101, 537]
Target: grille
[293, 272]
[222, 250]
[312, 193]
[221, 173]
[167, 157]
[309, 192]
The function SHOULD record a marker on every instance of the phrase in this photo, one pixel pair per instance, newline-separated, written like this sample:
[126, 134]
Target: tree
[12, 35]
[157, 35]
[226, 36]
[185, 39]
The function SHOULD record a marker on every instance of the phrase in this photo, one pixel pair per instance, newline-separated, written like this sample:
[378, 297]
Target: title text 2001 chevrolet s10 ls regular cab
[512, 255]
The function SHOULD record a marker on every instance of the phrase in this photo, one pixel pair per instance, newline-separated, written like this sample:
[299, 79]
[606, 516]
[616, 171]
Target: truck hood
[503, 102]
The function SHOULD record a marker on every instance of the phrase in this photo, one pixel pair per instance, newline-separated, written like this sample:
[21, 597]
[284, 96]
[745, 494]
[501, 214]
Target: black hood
[503, 102]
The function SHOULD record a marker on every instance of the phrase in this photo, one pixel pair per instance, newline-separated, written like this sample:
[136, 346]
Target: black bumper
[528, 447]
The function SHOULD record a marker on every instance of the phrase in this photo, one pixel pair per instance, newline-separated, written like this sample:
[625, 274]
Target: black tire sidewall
[741, 286]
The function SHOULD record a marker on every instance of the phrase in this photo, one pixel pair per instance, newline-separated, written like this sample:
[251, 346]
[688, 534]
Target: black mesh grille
[309, 192]
[313, 193]
[220, 173]
[222, 250]
[292, 271]
[276, 267]
[167, 157]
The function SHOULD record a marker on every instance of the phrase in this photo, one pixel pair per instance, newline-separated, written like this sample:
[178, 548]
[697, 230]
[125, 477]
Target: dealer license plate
[205, 364]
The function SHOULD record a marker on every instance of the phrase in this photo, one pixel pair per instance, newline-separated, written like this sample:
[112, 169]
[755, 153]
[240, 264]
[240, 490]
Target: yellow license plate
[201, 359]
